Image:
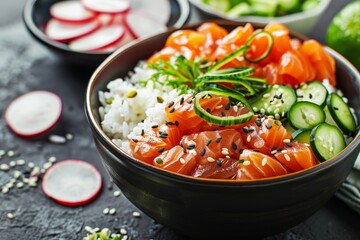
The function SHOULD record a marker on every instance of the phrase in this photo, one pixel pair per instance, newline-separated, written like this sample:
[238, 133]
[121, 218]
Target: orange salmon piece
[296, 156]
[222, 168]
[153, 142]
[256, 165]
[280, 34]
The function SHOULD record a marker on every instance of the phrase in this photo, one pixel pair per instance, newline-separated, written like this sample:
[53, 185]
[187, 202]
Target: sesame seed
[136, 214]
[273, 151]
[106, 211]
[189, 101]
[191, 146]
[202, 153]
[223, 114]
[306, 144]
[208, 110]
[20, 162]
[88, 229]
[218, 139]
[12, 163]
[4, 167]
[246, 163]
[52, 159]
[57, 139]
[268, 126]
[69, 136]
[5, 190]
[331, 149]
[112, 211]
[248, 139]
[219, 106]
[182, 161]
[227, 106]
[263, 161]
[225, 152]
[277, 116]
[262, 110]
[286, 140]
[123, 231]
[11, 153]
[236, 108]
[284, 151]
[289, 145]
[233, 146]
[282, 114]
[320, 138]
[181, 100]
[210, 159]
[10, 216]
[136, 149]
[160, 150]
[154, 126]
[172, 110]
[171, 104]
[208, 142]
[266, 95]
[47, 165]
[142, 132]
[287, 157]
[255, 109]
[117, 193]
[17, 174]
[19, 185]
[218, 162]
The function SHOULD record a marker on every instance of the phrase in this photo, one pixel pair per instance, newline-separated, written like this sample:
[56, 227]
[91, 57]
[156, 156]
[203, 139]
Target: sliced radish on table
[71, 12]
[107, 6]
[72, 182]
[126, 39]
[140, 25]
[157, 9]
[101, 38]
[63, 32]
[33, 113]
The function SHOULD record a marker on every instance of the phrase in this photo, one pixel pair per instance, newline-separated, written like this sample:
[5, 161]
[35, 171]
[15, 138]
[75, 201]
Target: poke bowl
[57, 24]
[204, 208]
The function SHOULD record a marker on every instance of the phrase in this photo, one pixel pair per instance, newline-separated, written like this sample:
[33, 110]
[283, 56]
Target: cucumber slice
[306, 115]
[301, 135]
[242, 9]
[289, 128]
[222, 5]
[341, 113]
[314, 92]
[277, 99]
[264, 7]
[326, 141]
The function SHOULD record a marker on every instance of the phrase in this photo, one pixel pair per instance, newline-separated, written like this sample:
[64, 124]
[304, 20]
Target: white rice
[123, 117]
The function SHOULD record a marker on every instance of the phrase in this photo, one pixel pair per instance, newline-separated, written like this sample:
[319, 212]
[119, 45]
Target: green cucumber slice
[314, 92]
[301, 135]
[326, 141]
[306, 115]
[341, 113]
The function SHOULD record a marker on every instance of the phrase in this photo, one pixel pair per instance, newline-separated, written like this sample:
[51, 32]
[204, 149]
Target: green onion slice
[227, 59]
[226, 120]
[268, 49]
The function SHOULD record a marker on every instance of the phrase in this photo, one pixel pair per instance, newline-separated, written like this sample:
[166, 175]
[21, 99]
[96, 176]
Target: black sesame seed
[300, 96]
[202, 153]
[172, 110]
[191, 146]
[170, 123]
[163, 135]
[247, 130]
[218, 162]
[256, 150]
[184, 150]
[268, 126]
[160, 150]
[171, 104]
[135, 140]
[227, 106]
[208, 110]
[142, 132]
[189, 101]
[176, 123]
[218, 139]
[282, 101]
[223, 114]
[335, 108]
[273, 149]
[208, 142]
[281, 148]
[289, 144]
[258, 122]
[233, 145]
[241, 150]
[310, 96]
[181, 100]
[154, 126]
[262, 115]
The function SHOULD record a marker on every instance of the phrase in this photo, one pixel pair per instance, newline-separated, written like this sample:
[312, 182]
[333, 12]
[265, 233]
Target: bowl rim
[27, 14]
[116, 150]
[323, 4]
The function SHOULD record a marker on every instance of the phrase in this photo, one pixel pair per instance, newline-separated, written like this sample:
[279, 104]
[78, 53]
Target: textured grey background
[26, 66]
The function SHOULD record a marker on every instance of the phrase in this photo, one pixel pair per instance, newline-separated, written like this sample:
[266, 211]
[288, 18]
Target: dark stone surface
[26, 66]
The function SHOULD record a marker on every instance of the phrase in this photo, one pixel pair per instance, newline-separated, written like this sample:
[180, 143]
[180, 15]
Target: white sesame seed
[266, 95]
[42, 170]
[277, 116]
[57, 139]
[10, 216]
[35, 171]
[320, 138]
[20, 162]
[263, 161]
[12, 163]
[287, 157]
[2, 152]
[11, 153]
[69, 136]
[219, 106]
[273, 151]
[248, 138]
[286, 140]
[331, 149]
[266, 105]
[17, 174]
[227, 156]
[282, 114]
[246, 163]
[52, 159]
[236, 108]
[225, 152]
[210, 159]
[88, 229]
[31, 165]
[284, 151]
[47, 165]
[125, 237]
[182, 161]
[262, 110]
[269, 109]
[20, 185]
[306, 144]
[281, 90]
[255, 109]
[106, 211]
[5, 190]
[96, 229]
[117, 193]
[9, 185]
[4, 167]
[276, 86]
[277, 110]
[136, 214]
[136, 149]
[193, 152]
[112, 211]
[123, 231]
[345, 100]
[25, 180]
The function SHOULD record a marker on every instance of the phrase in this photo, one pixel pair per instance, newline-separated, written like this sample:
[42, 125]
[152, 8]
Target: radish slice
[107, 6]
[126, 39]
[33, 113]
[71, 12]
[157, 9]
[102, 38]
[106, 19]
[72, 182]
[140, 25]
[62, 32]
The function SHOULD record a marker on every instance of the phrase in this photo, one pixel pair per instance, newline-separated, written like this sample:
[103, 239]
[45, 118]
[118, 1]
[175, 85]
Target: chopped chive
[241, 160]
[277, 123]
[159, 161]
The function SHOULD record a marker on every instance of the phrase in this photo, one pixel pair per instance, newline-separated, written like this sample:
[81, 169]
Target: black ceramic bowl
[212, 208]
[36, 14]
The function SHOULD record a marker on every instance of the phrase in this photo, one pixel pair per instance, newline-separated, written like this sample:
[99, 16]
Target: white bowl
[301, 22]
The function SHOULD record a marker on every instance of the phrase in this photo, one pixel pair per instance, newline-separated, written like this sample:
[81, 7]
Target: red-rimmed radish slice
[140, 25]
[71, 12]
[34, 113]
[102, 38]
[62, 32]
[106, 19]
[127, 38]
[72, 182]
[159, 10]
[107, 6]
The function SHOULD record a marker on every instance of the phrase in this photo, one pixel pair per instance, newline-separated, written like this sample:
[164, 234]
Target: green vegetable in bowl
[266, 8]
